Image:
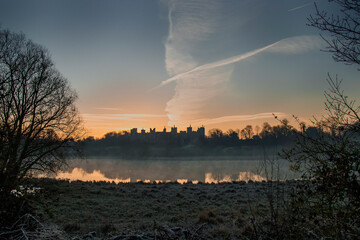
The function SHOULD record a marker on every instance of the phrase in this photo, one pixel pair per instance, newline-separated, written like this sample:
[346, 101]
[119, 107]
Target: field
[213, 211]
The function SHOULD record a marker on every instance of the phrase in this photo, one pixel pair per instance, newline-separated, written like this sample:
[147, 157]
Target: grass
[108, 208]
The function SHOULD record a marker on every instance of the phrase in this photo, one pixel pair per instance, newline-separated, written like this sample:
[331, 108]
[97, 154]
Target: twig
[24, 234]
[199, 228]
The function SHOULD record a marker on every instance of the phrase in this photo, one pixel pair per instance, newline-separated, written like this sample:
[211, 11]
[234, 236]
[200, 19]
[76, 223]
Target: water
[208, 170]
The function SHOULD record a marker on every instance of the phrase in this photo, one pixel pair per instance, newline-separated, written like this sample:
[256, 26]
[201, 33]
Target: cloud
[194, 91]
[234, 118]
[109, 109]
[133, 117]
[298, 44]
[191, 23]
[238, 118]
[194, 88]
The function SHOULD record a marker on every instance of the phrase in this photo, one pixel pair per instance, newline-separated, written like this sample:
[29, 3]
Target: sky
[156, 63]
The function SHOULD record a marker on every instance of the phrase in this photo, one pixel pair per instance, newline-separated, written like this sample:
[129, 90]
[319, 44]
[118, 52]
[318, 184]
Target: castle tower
[174, 130]
[201, 131]
[189, 130]
[133, 131]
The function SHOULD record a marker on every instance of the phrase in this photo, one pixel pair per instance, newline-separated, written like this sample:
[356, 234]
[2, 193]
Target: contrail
[299, 7]
[170, 37]
[217, 64]
[289, 45]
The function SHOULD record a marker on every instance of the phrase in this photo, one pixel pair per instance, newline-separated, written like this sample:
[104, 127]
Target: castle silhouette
[173, 132]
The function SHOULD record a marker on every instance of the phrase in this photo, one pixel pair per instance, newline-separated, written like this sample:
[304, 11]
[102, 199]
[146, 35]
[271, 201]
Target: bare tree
[344, 30]
[247, 132]
[216, 133]
[326, 203]
[327, 153]
[266, 130]
[328, 157]
[38, 118]
[257, 130]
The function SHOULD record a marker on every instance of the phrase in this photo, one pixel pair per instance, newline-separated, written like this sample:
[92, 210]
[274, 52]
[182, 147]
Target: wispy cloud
[109, 109]
[194, 91]
[235, 118]
[133, 117]
[298, 44]
[190, 22]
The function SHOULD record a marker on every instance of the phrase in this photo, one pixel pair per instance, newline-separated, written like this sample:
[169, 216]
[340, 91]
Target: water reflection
[165, 170]
[96, 175]
[243, 177]
[79, 174]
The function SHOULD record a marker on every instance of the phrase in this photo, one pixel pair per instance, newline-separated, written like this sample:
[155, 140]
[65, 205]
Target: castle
[173, 132]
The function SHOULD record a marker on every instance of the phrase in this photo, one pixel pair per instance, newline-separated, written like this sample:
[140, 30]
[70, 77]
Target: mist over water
[206, 170]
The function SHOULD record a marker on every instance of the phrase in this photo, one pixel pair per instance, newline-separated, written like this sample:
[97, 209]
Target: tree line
[247, 141]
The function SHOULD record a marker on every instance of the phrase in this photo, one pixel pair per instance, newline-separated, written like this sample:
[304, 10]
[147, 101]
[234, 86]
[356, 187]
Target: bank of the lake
[215, 211]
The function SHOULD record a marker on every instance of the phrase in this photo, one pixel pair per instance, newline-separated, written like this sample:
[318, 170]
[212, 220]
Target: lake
[206, 170]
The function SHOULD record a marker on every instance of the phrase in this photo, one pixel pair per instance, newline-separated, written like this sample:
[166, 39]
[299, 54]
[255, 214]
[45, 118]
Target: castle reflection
[79, 174]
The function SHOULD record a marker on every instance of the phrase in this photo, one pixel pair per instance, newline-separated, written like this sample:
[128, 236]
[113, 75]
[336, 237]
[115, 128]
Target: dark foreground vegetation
[239, 210]
[39, 122]
[206, 211]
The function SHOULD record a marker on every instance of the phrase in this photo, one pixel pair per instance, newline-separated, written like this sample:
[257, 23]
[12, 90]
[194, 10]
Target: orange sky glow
[98, 126]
